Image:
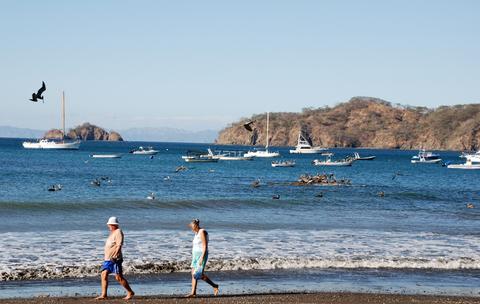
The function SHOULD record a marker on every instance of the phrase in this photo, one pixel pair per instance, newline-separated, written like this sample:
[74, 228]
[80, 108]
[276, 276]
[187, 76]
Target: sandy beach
[320, 298]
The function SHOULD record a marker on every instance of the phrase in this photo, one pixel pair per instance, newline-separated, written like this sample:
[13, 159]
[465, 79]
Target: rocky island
[85, 131]
[368, 122]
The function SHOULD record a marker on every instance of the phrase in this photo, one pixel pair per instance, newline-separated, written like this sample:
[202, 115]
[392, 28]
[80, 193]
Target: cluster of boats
[304, 146]
[472, 160]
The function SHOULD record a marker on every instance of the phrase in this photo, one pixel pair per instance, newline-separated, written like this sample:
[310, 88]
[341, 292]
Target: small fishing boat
[144, 151]
[233, 155]
[346, 162]
[305, 147]
[357, 156]
[468, 165]
[285, 163]
[200, 157]
[105, 155]
[425, 157]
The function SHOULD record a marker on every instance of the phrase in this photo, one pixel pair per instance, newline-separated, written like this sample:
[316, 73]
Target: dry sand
[320, 298]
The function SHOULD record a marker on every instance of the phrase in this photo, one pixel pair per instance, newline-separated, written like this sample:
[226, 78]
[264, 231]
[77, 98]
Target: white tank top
[197, 241]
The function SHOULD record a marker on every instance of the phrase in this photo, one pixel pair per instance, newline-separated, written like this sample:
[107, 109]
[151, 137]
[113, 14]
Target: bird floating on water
[96, 183]
[180, 169]
[256, 183]
[38, 95]
[381, 194]
[54, 188]
[276, 196]
[151, 196]
[470, 206]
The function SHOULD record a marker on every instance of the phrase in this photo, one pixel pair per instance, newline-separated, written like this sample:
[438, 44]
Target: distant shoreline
[247, 146]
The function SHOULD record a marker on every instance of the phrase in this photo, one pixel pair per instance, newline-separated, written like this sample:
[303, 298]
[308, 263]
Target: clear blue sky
[203, 64]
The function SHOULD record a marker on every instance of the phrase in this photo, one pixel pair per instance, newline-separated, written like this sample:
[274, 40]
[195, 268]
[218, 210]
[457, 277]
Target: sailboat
[263, 153]
[54, 144]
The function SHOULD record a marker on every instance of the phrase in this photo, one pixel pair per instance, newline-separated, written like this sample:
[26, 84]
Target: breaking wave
[76, 254]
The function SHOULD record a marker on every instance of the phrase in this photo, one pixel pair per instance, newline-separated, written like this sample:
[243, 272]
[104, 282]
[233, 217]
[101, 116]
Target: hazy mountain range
[133, 134]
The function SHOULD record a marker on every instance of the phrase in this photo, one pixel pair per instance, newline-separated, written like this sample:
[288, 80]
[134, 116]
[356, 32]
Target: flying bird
[38, 95]
[249, 125]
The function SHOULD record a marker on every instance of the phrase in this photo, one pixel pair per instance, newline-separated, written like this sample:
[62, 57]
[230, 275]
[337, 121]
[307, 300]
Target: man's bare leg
[125, 285]
[104, 280]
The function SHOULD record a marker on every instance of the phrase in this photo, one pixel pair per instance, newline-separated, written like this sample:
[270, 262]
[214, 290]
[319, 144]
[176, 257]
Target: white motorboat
[285, 163]
[200, 157]
[144, 151]
[233, 155]
[329, 162]
[425, 157]
[105, 155]
[264, 153]
[468, 165]
[304, 147]
[62, 144]
[474, 157]
[357, 156]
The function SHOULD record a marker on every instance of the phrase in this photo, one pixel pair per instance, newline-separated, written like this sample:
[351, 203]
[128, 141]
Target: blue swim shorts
[112, 267]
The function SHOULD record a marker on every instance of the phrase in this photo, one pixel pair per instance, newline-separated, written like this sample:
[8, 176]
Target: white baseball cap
[113, 221]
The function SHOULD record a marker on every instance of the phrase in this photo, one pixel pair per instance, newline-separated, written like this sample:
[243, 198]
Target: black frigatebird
[249, 125]
[38, 95]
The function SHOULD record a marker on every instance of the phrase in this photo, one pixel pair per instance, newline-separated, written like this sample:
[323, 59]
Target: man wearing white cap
[113, 260]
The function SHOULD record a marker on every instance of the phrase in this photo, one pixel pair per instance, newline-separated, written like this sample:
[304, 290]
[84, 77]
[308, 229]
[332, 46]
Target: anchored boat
[285, 163]
[62, 144]
[305, 147]
[330, 162]
[425, 157]
[200, 157]
[233, 155]
[144, 151]
[263, 153]
[357, 156]
[106, 155]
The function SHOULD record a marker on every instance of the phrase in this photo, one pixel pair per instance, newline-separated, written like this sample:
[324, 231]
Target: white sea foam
[48, 255]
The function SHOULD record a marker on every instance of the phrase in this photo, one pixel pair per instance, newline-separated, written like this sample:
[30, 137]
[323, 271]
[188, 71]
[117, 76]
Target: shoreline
[318, 297]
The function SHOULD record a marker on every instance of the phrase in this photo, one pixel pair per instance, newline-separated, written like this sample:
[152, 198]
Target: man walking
[113, 260]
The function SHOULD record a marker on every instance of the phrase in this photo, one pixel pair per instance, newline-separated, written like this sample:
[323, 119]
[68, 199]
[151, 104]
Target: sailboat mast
[63, 113]
[268, 121]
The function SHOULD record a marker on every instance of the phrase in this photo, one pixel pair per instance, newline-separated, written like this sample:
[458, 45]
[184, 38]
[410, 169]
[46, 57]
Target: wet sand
[320, 298]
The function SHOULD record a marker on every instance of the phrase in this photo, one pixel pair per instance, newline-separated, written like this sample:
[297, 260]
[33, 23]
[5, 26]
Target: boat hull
[235, 158]
[464, 166]
[262, 154]
[199, 160]
[106, 156]
[308, 151]
[282, 165]
[333, 164]
[52, 145]
[153, 152]
[432, 161]
[366, 158]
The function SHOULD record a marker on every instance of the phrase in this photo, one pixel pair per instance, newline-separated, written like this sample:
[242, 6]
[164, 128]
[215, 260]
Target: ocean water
[421, 226]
